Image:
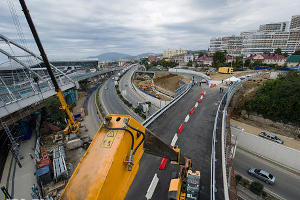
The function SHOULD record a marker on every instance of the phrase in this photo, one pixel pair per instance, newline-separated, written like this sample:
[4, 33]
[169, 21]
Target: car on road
[105, 88]
[274, 138]
[262, 175]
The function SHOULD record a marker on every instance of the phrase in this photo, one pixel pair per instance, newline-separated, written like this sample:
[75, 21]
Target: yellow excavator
[111, 162]
[72, 124]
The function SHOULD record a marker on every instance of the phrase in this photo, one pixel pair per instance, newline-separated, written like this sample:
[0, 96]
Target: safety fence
[148, 121]
[223, 106]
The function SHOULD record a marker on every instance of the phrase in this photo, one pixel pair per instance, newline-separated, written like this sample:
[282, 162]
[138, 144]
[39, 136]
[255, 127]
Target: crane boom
[73, 126]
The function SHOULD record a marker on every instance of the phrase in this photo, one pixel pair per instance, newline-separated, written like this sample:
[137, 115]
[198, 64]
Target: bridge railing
[223, 106]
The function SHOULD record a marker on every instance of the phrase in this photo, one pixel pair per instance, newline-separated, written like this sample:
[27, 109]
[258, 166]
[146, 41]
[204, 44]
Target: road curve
[194, 141]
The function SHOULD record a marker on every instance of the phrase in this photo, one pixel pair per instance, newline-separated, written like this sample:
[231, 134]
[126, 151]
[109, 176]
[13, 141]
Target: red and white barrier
[180, 128]
[192, 111]
[163, 163]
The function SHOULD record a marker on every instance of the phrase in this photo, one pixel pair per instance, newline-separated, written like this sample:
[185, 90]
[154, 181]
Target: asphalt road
[194, 142]
[287, 184]
[130, 93]
[111, 103]
[92, 118]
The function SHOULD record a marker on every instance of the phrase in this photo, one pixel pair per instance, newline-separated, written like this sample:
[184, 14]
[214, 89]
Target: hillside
[114, 56]
[278, 99]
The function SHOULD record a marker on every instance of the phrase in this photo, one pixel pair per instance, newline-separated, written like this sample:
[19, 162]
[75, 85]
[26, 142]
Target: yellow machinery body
[73, 126]
[225, 70]
[103, 172]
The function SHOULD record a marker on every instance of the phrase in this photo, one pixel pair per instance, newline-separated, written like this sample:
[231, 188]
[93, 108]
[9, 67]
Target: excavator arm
[111, 162]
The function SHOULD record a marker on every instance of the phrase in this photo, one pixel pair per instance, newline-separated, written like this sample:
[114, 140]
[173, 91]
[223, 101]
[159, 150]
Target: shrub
[245, 183]
[257, 188]
[238, 178]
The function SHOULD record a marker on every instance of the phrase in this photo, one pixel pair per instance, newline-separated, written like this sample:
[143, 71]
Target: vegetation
[164, 64]
[277, 51]
[257, 188]
[56, 114]
[278, 99]
[219, 59]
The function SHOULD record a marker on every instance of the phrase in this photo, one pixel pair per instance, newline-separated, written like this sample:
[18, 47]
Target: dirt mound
[168, 81]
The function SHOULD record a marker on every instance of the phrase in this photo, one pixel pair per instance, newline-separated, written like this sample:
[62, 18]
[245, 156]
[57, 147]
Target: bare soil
[169, 81]
[288, 141]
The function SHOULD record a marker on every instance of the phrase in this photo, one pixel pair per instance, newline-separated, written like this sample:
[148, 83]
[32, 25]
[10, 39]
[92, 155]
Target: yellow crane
[72, 124]
[111, 162]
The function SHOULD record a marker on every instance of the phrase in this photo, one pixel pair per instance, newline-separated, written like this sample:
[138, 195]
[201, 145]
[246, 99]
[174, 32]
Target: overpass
[24, 81]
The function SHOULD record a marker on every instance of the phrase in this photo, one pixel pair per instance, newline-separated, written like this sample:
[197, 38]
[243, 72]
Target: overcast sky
[81, 28]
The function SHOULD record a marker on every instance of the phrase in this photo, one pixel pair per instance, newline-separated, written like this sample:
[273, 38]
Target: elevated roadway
[194, 141]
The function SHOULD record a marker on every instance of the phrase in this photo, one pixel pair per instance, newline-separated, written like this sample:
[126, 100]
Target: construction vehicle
[111, 162]
[72, 124]
[191, 187]
[225, 70]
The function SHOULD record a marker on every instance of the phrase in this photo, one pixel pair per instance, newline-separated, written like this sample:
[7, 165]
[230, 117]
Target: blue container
[44, 175]
[25, 130]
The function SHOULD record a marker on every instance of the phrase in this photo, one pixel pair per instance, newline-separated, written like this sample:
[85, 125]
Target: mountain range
[114, 56]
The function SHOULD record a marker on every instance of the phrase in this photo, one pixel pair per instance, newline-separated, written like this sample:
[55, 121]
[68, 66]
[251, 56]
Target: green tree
[257, 187]
[238, 63]
[53, 109]
[219, 59]
[247, 63]
[278, 99]
[190, 63]
[277, 51]
[285, 54]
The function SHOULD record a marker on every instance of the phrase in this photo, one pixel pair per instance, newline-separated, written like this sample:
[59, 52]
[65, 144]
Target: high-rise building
[274, 27]
[295, 23]
[173, 52]
[269, 37]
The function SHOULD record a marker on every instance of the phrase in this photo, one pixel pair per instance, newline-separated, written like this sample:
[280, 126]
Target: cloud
[85, 28]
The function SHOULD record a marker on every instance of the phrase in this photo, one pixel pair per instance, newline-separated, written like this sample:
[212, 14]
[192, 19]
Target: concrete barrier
[269, 150]
[185, 71]
[156, 102]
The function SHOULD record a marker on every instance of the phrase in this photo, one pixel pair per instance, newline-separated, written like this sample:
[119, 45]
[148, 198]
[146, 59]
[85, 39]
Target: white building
[269, 37]
[188, 58]
[173, 52]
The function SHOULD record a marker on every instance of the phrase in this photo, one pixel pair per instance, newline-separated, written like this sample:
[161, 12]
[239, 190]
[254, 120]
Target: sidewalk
[20, 181]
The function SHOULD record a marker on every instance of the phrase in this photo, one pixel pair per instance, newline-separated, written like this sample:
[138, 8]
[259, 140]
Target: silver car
[274, 138]
[262, 175]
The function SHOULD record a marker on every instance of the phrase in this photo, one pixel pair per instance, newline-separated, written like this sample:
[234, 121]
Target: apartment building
[295, 23]
[269, 37]
[173, 52]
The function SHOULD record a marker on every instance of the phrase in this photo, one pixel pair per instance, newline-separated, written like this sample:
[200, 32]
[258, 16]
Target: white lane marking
[174, 140]
[201, 97]
[196, 104]
[152, 187]
[187, 118]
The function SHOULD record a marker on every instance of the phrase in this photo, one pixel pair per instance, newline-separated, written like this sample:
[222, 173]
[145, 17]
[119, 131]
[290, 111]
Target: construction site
[160, 85]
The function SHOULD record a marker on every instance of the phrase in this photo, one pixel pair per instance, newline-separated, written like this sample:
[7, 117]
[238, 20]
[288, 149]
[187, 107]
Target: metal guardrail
[225, 101]
[148, 121]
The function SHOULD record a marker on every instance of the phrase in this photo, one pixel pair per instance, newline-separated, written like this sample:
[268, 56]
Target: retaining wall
[275, 152]
[156, 102]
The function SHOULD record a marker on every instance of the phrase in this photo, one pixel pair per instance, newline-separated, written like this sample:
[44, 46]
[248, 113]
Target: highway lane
[287, 184]
[92, 118]
[111, 103]
[130, 94]
[194, 141]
